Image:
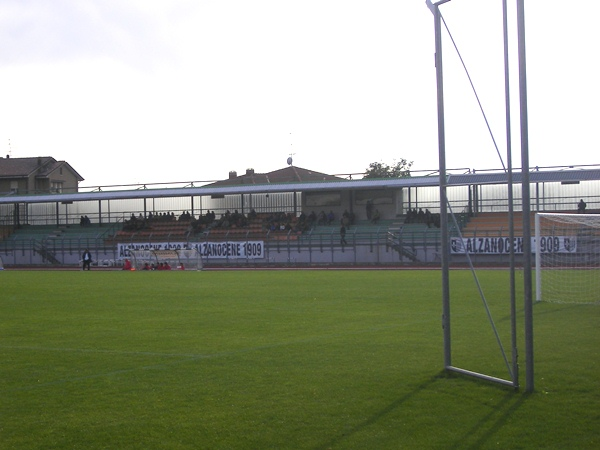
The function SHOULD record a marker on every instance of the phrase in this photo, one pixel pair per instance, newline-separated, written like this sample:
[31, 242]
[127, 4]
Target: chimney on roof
[249, 171]
[232, 174]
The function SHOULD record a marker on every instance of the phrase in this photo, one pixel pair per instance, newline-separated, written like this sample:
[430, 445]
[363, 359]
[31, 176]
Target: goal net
[567, 255]
[182, 259]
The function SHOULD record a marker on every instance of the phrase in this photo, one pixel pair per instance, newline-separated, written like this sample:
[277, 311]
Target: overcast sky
[132, 91]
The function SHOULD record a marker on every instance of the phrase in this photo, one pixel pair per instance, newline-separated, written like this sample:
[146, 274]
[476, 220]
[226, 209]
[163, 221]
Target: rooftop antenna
[290, 160]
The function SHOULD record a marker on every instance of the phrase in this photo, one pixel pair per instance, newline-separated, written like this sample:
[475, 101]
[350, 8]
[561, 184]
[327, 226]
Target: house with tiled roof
[290, 174]
[37, 175]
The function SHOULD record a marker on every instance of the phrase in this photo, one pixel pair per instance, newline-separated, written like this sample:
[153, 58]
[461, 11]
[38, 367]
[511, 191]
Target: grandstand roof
[319, 182]
[560, 176]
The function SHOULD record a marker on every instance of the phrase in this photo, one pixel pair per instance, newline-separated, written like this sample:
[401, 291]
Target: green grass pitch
[286, 359]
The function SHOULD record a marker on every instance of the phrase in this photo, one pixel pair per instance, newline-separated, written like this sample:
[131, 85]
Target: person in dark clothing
[343, 235]
[86, 259]
[369, 209]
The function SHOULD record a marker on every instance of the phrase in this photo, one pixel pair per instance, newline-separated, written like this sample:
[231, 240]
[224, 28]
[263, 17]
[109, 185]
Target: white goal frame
[189, 259]
[572, 243]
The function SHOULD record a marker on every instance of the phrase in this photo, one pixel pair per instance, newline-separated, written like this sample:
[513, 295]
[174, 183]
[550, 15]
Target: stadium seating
[494, 224]
[49, 232]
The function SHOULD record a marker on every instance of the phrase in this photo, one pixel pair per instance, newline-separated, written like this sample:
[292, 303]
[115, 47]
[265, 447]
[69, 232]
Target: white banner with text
[207, 250]
[501, 245]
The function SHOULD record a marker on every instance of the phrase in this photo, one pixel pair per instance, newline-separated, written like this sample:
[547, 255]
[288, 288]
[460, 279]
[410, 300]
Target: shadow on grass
[388, 409]
[560, 308]
[492, 422]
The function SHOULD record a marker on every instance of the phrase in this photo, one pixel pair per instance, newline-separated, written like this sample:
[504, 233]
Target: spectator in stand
[411, 216]
[428, 218]
[352, 217]
[235, 218]
[300, 227]
[224, 221]
[132, 224]
[322, 218]
[581, 206]
[346, 218]
[196, 225]
[375, 216]
[343, 235]
[330, 217]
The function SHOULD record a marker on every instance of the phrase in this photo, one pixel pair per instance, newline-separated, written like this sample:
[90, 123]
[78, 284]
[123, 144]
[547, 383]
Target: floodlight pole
[445, 238]
[526, 197]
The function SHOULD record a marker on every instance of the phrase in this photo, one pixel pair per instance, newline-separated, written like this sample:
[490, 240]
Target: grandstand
[47, 229]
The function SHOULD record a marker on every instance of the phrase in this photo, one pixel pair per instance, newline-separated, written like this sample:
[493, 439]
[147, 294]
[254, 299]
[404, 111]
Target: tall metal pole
[526, 194]
[445, 238]
[511, 208]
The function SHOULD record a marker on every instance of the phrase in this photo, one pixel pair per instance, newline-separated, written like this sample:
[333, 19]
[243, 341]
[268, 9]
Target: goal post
[567, 257]
[1, 264]
[187, 259]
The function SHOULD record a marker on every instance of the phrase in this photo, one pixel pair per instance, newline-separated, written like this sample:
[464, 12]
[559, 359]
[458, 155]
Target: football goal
[567, 258]
[187, 259]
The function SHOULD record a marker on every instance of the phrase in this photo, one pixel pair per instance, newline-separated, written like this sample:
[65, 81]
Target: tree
[399, 169]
